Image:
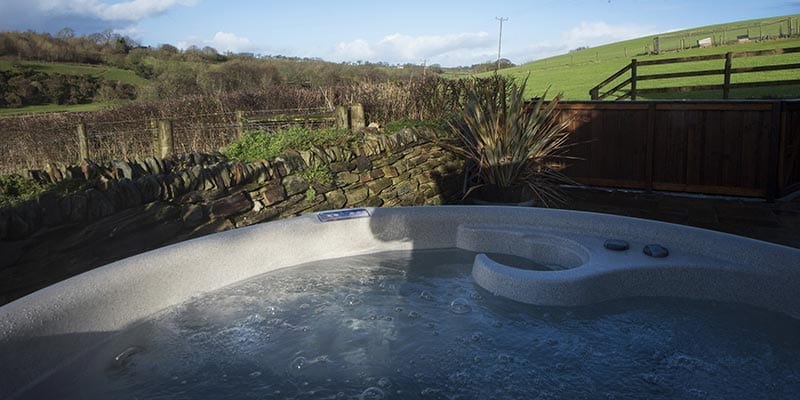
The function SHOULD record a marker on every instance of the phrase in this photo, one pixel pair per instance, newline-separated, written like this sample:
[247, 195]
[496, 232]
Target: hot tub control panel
[339, 215]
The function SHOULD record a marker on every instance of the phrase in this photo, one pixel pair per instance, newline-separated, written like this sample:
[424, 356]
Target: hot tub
[558, 264]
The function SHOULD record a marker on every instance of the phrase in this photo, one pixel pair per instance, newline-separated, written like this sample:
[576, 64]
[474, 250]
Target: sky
[449, 33]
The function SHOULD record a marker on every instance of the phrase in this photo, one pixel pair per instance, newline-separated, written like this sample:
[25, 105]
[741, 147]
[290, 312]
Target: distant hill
[40, 72]
[578, 71]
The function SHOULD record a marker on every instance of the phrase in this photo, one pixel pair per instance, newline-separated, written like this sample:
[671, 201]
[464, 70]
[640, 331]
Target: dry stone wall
[214, 194]
[141, 205]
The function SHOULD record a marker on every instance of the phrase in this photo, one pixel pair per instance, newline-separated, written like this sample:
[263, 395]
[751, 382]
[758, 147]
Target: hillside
[43, 73]
[577, 72]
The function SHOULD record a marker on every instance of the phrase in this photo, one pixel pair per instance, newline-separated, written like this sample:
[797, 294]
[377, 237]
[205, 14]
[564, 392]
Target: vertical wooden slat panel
[670, 148]
[650, 146]
[750, 151]
[731, 141]
[695, 144]
[789, 165]
[773, 158]
[714, 132]
[639, 136]
[734, 148]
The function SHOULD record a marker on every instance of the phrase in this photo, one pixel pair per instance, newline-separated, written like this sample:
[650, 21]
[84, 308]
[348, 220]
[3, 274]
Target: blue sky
[449, 33]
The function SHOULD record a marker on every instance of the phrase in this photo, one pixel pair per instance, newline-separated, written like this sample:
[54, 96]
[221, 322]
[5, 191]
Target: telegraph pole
[499, 41]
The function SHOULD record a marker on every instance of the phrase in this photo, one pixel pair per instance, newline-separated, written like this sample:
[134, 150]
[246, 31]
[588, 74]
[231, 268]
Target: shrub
[260, 144]
[513, 146]
[316, 175]
[15, 188]
[399, 125]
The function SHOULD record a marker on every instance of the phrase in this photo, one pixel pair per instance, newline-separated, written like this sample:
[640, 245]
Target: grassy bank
[577, 72]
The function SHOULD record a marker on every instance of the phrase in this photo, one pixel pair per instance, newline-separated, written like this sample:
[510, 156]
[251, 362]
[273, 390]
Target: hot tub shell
[46, 329]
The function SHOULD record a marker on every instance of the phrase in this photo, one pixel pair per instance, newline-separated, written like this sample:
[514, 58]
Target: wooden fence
[628, 89]
[742, 148]
[161, 137]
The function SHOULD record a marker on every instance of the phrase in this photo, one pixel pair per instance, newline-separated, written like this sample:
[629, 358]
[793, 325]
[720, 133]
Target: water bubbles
[429, 391]
[475, 296]
[413, 315]
[398, 309]
[476, 337]
[297, 364]
[122, 358]
[372, 393]
[460, 306]
[271, 310]
[426, 295]
[503, 358]
[384, 382]
[255, 374]
[352, 300]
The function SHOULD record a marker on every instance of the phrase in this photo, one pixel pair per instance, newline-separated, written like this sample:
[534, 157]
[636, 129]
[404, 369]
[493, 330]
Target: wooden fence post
[633, 79]
[83, 143]
[154, 134]
[239, 124]
[357, 121]
[341, 117]
[726, 86]
[164, 143]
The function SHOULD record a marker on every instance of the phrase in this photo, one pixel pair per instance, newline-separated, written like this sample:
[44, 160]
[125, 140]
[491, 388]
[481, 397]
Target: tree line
[173, 72]
[26, 86]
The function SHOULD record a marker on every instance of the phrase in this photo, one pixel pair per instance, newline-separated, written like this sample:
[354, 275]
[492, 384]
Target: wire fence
[206, 123]
[28, 143]
[721, 35]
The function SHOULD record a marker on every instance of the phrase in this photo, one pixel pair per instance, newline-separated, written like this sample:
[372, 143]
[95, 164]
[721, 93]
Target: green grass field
[574, 74]
[105, 72]
[49, 108]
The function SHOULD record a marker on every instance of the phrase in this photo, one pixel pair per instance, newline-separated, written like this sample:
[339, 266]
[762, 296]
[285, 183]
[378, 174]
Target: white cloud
[356, 49]
[535, 52]
[82, 15]
[599, 32]
[132, 10]
[584, 34]
[450, 49]
[222, 42]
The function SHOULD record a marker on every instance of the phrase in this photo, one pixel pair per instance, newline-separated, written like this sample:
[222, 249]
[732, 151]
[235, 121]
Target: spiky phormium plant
[512, 143]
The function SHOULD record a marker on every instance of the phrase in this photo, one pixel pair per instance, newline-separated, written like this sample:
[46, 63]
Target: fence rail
[600, 92]
[740, 148]
[137, 138]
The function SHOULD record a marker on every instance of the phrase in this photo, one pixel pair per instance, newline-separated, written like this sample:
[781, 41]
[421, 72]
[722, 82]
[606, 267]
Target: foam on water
[413, 325]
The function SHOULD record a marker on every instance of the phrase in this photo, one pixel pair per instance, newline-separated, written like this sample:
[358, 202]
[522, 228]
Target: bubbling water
[414, 325]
